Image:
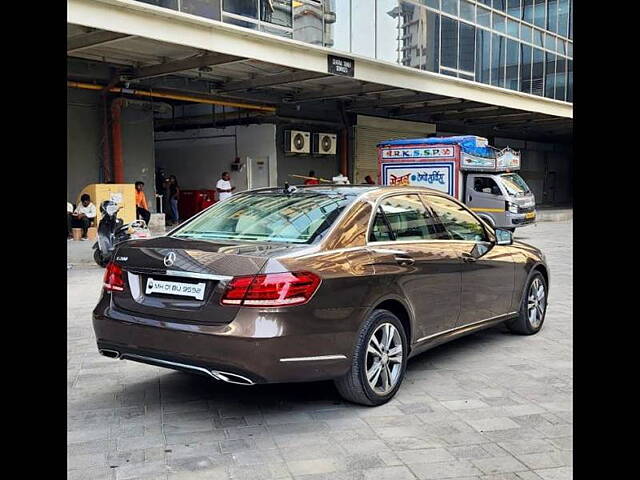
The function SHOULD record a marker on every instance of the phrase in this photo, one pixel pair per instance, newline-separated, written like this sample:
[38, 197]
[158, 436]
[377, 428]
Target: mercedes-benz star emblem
[170, 259]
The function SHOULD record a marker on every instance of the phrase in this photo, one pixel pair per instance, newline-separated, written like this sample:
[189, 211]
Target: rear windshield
[514, 184]
[268, 217]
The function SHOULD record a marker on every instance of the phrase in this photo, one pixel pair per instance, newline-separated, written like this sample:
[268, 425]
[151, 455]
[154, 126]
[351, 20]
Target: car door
[411, 254]
[488, 269]
[484, 195]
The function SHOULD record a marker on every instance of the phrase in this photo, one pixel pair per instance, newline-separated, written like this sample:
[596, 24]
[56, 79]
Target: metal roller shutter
[370, 131]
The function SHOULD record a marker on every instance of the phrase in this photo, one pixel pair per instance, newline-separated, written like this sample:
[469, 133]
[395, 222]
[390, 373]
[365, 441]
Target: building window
[526, 33]
[563, 18]
[201, 8]
[245, 8]
[450, 6]
[432, 47]
[539, 13]
[363, 38]
[498, 59]
[514, 8]
[172, 4]
[499, 24]
[337, 26]
[552, 15]
[467, 48]
[569, 80]
[550, 75]
[484, 17]
[511, 71]
[538, 36]
[500, 5]
[398, 32]
[527, 11]
[561, 67]
[537, 72]
[277, 12]
[513, 28]
[483, 55]
[525, 68]
[449, 43]
[467, 11]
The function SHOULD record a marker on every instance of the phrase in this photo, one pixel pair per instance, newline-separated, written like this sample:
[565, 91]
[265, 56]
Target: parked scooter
[113, 231]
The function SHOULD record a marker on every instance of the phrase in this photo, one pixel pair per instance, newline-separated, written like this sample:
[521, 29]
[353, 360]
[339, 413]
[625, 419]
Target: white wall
[198, 159]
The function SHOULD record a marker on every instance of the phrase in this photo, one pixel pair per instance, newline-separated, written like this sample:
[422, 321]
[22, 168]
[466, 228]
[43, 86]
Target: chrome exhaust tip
[109, 353]
[231, 378]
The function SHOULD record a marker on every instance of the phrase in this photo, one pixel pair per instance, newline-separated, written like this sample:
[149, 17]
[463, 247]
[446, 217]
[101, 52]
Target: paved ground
[491, 406]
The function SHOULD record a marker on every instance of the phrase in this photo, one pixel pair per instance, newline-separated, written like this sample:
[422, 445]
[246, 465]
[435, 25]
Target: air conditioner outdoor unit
[296, 141]
[324, 143]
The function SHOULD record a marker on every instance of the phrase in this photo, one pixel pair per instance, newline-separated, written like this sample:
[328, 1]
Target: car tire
[355, 386]
[533, 307]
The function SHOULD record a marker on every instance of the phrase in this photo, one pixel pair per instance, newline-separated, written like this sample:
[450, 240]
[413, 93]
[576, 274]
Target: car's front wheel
[379, 361]
[533, 307]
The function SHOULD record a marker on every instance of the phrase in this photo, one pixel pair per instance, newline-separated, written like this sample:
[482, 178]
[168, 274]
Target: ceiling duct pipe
[172, 96]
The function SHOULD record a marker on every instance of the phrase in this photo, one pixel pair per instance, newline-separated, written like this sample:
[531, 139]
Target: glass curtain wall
[523, 45]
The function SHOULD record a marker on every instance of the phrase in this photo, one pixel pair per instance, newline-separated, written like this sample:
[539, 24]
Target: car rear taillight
[113, 278]
[271, 290]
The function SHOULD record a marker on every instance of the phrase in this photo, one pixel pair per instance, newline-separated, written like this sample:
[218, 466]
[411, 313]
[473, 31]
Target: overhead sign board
[340, 65]
[429, 152]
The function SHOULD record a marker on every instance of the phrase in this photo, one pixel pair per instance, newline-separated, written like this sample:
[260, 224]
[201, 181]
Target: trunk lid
[193, 262]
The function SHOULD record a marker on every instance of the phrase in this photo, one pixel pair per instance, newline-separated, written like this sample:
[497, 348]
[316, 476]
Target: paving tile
[490, 406]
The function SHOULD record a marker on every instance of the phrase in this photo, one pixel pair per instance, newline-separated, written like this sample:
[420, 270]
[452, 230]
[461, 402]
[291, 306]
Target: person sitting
[69, 218]
[313, 180]
[84, 214]
[368, 180]
[142, 209]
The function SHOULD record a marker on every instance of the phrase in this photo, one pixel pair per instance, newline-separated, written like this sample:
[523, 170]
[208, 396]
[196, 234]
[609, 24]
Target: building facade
[213, 85]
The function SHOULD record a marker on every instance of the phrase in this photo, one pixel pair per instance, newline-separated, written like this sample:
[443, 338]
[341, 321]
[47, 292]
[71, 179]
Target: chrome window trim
[462, 327]
[313, 359]
[205, 276]
[490, 231]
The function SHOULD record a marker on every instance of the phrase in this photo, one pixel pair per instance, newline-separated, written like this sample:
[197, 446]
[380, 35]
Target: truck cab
[466, 167]
[502, 199]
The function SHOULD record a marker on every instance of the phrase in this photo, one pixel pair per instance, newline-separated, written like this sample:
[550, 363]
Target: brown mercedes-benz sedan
[315, 283]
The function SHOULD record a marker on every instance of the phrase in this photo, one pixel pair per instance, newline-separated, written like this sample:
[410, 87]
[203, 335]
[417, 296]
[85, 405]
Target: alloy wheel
[536, 303]
[384, 359]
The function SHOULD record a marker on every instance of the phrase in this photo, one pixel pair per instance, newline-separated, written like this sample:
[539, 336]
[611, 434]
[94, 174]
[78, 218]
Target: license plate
[530, 215]
[195, 290]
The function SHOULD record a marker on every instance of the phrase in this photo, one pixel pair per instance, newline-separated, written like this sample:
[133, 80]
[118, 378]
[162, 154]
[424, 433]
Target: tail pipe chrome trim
[217, 374]
[109, 353]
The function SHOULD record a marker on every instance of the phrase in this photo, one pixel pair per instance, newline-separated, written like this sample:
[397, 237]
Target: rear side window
[457, 220]
[403, 218]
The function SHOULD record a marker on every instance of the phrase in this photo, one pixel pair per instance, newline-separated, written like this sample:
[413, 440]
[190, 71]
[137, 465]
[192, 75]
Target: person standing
[174, 194]
[84, 214]
[313, 180]
[142, 209]
[223, 187]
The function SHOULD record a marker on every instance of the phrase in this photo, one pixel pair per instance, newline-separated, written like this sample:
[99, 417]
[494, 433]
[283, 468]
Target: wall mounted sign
[340, 65]
[437, 175]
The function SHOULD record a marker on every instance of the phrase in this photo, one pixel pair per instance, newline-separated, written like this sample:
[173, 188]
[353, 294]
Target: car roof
[370, 190]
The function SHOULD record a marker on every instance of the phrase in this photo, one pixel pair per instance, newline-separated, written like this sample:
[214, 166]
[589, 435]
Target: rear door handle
[404, 261]
[468, 258]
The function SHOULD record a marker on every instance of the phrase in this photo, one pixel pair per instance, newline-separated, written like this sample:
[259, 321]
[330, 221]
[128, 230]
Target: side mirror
[503, 237]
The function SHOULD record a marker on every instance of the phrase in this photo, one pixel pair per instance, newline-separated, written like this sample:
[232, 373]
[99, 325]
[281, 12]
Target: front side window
[457, 220]
[268, 217]
[404, 218]
[486, 185]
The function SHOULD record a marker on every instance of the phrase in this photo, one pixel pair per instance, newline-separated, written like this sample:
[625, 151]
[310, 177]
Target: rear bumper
[291, 345]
